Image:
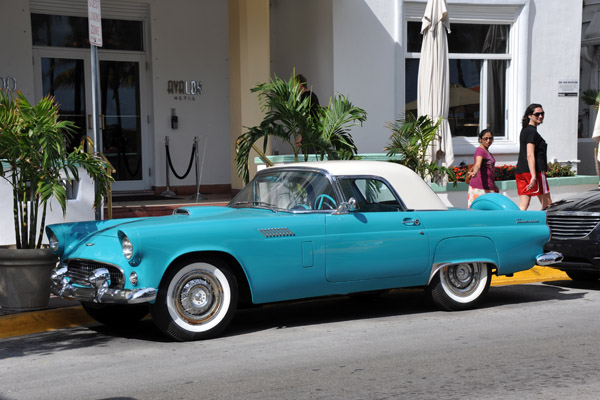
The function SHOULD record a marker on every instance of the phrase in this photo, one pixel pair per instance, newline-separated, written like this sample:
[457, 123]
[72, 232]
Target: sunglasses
[487, 138]
[538, 114]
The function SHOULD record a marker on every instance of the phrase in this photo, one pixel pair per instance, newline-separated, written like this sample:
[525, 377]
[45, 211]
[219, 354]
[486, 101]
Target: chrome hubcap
[463, 277]
[198, 297]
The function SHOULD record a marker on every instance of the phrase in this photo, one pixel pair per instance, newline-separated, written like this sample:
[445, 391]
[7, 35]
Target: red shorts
[540, 187]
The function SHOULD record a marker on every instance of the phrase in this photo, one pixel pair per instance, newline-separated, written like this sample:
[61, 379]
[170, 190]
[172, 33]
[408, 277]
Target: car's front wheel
[196, 300]
[460, 286]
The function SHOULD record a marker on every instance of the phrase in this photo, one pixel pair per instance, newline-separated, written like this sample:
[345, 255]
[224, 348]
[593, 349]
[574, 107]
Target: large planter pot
[25, 278]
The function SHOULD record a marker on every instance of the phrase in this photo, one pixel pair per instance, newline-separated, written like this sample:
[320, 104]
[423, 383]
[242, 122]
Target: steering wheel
[325, 202]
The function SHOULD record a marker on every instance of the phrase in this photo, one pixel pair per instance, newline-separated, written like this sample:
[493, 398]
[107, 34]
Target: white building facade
[504, 55]
[183, 69]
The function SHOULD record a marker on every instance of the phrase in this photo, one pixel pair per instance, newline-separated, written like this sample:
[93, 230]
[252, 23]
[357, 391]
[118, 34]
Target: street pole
[95, 37]
[96, 134]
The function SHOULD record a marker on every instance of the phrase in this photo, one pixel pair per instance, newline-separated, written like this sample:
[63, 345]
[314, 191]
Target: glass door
[66, 74]
[121, 118]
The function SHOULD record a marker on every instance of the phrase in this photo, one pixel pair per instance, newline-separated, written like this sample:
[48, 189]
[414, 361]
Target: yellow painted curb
[535, 274]
[40, 321]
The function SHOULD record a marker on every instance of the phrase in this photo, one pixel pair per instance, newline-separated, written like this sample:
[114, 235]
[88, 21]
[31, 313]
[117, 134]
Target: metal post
[197, 197]
[168, 192]
[96, 136]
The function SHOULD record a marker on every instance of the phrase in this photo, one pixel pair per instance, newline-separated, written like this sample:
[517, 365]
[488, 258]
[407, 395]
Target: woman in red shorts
[533, 161]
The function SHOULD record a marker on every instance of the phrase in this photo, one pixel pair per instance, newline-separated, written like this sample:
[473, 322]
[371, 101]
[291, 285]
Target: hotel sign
[184, 90]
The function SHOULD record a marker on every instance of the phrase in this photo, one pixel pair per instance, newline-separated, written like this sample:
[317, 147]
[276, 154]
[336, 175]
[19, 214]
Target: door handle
[411, 222]
[102, 122]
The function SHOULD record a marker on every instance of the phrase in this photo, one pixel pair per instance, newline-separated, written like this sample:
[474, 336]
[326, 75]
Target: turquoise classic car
[297, 231]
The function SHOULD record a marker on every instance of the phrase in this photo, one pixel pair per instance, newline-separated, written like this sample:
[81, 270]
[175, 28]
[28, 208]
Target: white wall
[78, 209]
[368, 61]
[365, 68]
[555, 53]
[302, 38]
[189, 41]
[15, 46]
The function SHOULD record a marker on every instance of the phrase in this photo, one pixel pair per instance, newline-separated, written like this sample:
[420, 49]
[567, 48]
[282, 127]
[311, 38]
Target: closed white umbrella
[433, 94]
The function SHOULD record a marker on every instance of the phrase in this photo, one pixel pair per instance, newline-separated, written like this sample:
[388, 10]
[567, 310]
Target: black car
[575, 226]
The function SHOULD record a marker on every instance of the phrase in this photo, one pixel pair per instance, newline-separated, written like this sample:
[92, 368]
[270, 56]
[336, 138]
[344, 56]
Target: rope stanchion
[197, 197]
[193, 161]
[168, 192]
[189, 168]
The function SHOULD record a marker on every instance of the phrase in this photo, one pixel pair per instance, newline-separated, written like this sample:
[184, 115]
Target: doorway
[66, 74]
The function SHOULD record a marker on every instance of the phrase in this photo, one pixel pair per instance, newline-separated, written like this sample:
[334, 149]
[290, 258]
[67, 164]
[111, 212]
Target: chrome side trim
[549, 258]
[98, 290]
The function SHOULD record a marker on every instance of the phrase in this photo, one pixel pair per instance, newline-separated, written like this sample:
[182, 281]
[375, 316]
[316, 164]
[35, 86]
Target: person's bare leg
[545, 200]
[524, 202]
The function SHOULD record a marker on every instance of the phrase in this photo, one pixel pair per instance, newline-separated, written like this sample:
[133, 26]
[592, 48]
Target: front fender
[463, 249]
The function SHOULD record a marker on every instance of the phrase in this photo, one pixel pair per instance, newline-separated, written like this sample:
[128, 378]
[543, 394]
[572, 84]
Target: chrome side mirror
[346, 207]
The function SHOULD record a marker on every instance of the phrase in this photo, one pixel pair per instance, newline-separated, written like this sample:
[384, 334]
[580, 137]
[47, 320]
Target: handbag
[468, 176]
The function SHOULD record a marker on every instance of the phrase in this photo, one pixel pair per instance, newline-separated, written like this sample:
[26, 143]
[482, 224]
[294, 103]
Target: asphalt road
[532, 341]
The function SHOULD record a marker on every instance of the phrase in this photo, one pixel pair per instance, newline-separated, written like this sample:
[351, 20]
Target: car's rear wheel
[196, 300]
[460, 286]
[583, 276]
[117, 315]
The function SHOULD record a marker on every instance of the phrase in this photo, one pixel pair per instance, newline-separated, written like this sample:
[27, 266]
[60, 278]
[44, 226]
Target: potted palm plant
[411, 137]
[36, 162]
[290, 115]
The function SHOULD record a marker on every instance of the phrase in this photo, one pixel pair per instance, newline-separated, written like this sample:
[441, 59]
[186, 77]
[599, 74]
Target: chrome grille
[79, 272]
[572, 225]
[276, 232]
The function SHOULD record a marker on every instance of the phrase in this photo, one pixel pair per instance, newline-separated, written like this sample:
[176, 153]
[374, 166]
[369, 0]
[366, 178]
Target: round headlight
[53, 242]
[127, 247]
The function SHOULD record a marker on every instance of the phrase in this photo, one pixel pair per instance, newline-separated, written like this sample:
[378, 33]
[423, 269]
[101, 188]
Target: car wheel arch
[470, 249]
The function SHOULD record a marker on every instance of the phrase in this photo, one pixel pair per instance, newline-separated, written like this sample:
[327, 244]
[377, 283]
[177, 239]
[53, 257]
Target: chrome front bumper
[549, 258]
[97, 290]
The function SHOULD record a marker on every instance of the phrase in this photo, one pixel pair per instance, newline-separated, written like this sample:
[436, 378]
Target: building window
[70, 31]
[479, 65]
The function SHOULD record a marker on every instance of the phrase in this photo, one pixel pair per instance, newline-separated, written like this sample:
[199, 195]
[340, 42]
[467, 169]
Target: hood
[586, 201]
[100, 235]
[79, 232]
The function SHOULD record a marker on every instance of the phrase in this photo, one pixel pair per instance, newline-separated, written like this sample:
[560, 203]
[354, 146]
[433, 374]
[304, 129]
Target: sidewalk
[62, 313]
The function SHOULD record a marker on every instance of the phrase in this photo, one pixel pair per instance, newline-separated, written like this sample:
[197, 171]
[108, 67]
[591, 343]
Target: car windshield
[287, 191]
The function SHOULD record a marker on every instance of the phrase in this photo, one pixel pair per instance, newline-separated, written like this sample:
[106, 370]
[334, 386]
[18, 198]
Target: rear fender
[493, 201]
[464, 249]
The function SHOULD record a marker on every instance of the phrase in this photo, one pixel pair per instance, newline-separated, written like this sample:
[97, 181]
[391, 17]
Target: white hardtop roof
[415, 193]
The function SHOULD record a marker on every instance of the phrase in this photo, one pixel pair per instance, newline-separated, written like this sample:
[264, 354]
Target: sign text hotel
[184, 90]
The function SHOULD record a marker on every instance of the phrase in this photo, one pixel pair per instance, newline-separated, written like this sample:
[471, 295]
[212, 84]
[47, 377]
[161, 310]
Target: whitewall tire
[460, 286]
[196, 300]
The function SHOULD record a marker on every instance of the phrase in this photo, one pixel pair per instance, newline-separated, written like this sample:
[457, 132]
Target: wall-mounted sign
[184, 90]
[8, 83]
[568, 87]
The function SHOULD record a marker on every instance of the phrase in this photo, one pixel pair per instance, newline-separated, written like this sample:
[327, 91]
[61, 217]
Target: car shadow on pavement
[394, 303]
[49, 343]
[283, 315]
[527, 293]
[586, 285]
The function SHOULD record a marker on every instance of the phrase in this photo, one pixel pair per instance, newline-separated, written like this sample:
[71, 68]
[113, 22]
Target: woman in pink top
[482, 176]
